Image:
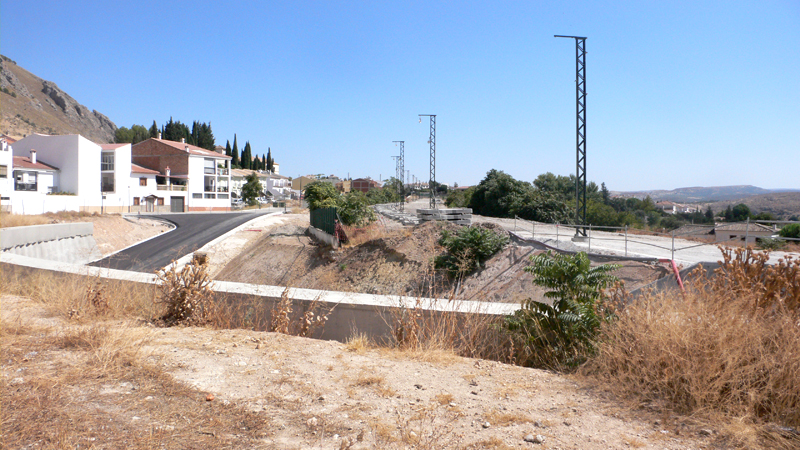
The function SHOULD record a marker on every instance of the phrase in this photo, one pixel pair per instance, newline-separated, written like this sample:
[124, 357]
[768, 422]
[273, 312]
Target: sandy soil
[327, 395]
[113, 233]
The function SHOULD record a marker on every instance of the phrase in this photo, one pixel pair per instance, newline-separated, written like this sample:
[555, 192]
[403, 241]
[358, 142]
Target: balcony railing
[222, 171]
[172, 187]
[25, 186]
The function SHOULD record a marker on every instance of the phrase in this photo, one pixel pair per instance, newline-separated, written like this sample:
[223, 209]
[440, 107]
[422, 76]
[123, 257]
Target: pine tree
[228, 148]
[604, 192]
[235, 155]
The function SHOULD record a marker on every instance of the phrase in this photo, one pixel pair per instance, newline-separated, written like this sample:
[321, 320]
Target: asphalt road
[193, 231]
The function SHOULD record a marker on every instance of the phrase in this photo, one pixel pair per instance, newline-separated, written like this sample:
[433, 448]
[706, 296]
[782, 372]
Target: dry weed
[186, 294]
[729, 352]
[358, 343]
[282, 319]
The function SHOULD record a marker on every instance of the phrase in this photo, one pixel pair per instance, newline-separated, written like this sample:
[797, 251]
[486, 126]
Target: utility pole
[580, 106]
[396, 167]
[401, 169]
[432, 142]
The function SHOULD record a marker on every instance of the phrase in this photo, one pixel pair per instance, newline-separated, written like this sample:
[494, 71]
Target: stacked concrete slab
[458, 216]
[389, 210]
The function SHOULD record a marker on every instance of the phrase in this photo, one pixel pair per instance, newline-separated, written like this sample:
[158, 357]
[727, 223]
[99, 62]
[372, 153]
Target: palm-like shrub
[561, 335]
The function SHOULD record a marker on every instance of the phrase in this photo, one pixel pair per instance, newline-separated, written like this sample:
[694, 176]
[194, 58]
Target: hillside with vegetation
[29, 104]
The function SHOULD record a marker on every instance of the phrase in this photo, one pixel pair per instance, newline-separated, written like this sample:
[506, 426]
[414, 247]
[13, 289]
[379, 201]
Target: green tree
[251, 189]
[136, 134]
[153, 130]
[558, 185]
[175, 131]
[320, 194]
[561, 334]
[353, 209]
[459, 198]
[541, 206]
[228, 148]
[247, 157]
[740, 212]
[270, 162]
[709, 215]
[605, 194]
[235, 154]
[202, 135]
[495, 194]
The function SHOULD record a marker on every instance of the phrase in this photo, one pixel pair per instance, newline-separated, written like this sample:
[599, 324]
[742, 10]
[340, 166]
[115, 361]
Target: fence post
[515, 223]
[533, 230]
[673, 245]
[746, 232]
[626, 240]
[556, 234]
[590, 237]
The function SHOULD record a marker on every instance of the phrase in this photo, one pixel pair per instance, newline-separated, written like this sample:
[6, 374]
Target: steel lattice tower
[580, 133]
[402, 171]
[432, 142]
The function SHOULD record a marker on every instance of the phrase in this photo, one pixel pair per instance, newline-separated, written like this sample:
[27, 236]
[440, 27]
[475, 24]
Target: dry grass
[358, 343]
[504, 419]
[80, 298]
[21, 220]
[727, 353]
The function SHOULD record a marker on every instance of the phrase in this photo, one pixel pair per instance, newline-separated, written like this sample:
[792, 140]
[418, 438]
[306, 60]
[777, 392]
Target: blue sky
[679, 93]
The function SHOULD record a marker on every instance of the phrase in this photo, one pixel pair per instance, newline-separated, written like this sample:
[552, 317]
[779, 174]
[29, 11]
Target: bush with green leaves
[561, 335]
[469, 247]
[791, 231]
[320, 194]
[354, 209]
[771, 244]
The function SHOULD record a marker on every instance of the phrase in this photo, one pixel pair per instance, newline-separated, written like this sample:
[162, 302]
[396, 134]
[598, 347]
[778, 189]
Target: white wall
[7, 159]
[77, 158]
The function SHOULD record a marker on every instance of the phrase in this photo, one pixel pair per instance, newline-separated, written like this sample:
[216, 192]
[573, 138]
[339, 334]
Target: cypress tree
[228, 148]
[270, 163]
[235, 155]
[154, 130]
[247, 157]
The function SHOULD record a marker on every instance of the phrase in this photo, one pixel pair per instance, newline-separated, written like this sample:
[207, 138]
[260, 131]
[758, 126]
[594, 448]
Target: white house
[6, 175]
[190, 178]
[278, 185]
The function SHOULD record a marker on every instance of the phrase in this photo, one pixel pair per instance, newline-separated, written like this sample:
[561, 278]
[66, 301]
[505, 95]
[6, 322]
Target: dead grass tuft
[504, 419]
[729, 352]
[186, 294]
[358, 343]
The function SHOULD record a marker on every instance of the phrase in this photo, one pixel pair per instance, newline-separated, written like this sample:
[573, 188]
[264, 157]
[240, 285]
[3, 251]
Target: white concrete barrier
[65, 242]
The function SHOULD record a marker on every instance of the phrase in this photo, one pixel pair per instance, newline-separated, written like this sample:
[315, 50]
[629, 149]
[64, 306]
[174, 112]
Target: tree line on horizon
[199, 135]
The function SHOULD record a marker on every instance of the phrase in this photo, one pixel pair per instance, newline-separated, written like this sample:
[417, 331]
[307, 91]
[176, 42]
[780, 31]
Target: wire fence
[709, 235]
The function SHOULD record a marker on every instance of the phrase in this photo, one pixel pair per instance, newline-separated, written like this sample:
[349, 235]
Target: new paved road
[193, 230]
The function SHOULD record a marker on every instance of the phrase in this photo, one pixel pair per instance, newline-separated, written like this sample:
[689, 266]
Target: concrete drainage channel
[351, 312]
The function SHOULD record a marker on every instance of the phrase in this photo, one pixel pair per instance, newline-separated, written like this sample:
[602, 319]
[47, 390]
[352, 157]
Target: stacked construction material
[458, 216]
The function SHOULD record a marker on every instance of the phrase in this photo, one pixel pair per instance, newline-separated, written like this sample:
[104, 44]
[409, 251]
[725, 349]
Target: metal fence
[628, 235]
[324, 219]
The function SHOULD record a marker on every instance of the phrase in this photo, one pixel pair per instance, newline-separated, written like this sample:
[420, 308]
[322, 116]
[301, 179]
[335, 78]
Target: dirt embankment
[393, 261]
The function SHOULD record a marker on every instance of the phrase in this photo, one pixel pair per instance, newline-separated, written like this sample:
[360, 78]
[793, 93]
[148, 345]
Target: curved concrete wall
[63, 242]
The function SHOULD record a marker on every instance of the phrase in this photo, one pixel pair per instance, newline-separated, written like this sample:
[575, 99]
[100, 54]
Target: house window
[107, 169]
[107, 161]
[197, 195]
[160, 202]
[208, 166]
[107, 182]
[25, 181]
[3, 171]
[143, 181]
[135, 201]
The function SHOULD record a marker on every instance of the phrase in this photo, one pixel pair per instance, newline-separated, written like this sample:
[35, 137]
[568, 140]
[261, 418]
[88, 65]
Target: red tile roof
[111, 146]
[193, 149]
[24, 162]
[139, 169]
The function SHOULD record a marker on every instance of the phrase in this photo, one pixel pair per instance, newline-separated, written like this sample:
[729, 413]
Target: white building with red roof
[191, 178]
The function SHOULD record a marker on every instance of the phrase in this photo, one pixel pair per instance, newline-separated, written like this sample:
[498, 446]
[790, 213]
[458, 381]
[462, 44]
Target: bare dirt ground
[392, 260]
[113, 232]
[118, 384]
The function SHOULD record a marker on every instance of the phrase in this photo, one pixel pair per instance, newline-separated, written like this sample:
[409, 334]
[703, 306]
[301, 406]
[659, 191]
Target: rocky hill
[29, 104]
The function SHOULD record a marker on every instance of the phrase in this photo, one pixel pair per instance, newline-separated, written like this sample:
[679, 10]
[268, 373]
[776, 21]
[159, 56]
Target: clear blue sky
[679, 93]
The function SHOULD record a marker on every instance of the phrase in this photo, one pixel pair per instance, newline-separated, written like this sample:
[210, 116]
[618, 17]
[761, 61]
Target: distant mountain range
[29, 104]
[702, 194]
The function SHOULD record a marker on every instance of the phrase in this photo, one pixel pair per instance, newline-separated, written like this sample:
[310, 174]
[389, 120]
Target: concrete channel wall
[64, 242]
[251, 305]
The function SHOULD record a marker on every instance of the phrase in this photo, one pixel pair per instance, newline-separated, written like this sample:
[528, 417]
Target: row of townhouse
[345, 186]
[278, 186]
[42, 173]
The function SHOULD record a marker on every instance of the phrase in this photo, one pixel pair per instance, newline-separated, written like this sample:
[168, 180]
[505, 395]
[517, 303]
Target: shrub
[728, 351]
[187, 293]
[321, 195]
[791, 231]
[469, 247]
[354, 210]
[771, 244]
[561, 335]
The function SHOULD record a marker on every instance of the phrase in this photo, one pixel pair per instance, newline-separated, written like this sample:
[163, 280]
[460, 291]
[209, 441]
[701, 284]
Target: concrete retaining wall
[324, 237]
[64, 242]
[250, 305]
